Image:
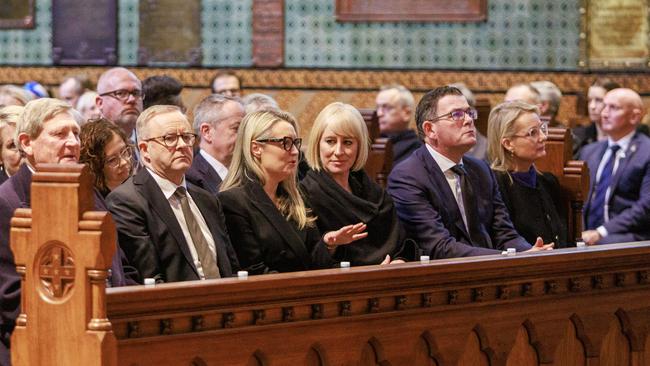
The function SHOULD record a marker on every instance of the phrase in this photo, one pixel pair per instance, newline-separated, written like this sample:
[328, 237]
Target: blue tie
[596, 215]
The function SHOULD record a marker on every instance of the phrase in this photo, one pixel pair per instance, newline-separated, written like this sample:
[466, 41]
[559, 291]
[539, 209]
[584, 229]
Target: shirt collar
[167, 187]
[443, 162]
[214, 163]
[623, 142]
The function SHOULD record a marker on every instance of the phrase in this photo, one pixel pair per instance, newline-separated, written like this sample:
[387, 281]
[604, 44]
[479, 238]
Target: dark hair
[221, 74]
[606, 83]
[94, 136]
[161, 90]
[428, 105]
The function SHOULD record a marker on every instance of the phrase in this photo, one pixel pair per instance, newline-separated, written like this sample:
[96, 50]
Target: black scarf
[368, 203]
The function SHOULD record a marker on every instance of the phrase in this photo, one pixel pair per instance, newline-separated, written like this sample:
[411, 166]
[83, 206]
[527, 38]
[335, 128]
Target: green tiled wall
[527, 34]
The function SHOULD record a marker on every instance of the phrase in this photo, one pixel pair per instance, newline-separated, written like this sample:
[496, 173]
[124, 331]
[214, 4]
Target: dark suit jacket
[629, 199]
[404, 143]
[583, 136]
[430, 214]
[151, 236]
[264, 240]
[203, 175]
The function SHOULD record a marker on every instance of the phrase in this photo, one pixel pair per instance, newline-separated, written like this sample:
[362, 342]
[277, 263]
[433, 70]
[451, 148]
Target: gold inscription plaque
[618, 33]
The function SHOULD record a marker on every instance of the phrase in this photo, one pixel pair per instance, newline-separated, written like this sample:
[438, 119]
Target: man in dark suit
[618, 209]
[395, 105]
[450, 203]
[216, 120]
[170, 230]
[48, 133]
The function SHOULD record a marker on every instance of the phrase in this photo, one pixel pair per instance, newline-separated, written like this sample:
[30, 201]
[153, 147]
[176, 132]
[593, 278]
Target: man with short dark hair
[448, 202]
[618, 208]
[226, 83]
[170, 230]
[216, 120]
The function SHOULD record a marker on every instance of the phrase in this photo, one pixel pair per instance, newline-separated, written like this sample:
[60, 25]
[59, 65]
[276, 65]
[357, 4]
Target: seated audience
[47, 133]
[216, 120]
[618, 209]
[550, 99]
[584, 135]
[534, 199]
[162, 90]
[72, 88]
[339, 192]
[10, 157]
[87, 107]
[450, 203]
[395, 105]
[257, 102]
[479, 150]
[226, 83]
[523, 92]
[105, 150]
[13, 95]
[267, 219]
[170, 230]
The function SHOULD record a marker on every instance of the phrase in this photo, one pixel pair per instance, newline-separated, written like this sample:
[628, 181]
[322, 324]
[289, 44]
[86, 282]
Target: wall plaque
[411, 10]
[170, 33]
[615, 34]
[84, 33]
[17, 14]
[268, 33]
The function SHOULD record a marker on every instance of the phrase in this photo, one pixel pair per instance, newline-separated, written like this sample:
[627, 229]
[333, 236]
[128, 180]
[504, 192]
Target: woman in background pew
[106, 151]
[269, 225]
[516, 139]
[10, 157]
[340, 193]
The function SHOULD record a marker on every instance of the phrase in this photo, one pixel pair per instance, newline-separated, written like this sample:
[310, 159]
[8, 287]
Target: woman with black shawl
[340, 193]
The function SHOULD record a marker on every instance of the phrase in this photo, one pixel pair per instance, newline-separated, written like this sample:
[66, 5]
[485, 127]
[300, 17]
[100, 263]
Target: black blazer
[203, 175]
[151, 236]
[264, 240]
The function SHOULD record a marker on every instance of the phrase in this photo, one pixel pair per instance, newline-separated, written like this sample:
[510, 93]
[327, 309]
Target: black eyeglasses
[287, 142]
[458, 115]
[123, 94]
[171, 140]
[115, 161]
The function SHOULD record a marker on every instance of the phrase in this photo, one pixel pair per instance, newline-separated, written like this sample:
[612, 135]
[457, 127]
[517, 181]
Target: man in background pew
[618, 209]
[449, 202]
[47, 133]
[395, 106]
[120, 98]
[226, 83]
[170, 230]
[216, 121]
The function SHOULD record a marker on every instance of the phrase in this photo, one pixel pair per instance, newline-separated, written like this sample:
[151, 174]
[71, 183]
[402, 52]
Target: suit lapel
[211, 177]
[294, 240]
[592, 162]
[150, 190]
[439, 180]
[622, 164]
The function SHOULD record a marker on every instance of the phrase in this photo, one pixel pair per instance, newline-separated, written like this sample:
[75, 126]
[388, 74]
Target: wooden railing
[565, 307]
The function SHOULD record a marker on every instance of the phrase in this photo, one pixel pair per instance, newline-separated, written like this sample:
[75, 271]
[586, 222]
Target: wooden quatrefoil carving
[56, 271]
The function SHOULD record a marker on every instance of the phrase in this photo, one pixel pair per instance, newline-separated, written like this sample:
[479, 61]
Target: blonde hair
[148, 114]
[39, 111]
[401, 95]
[344, 120]
[10, 116]
[245, 167]
[501, 125]
[16, 92]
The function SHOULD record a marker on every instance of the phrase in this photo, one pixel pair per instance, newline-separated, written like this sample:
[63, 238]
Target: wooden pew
[565, 307]
[380, 160]
[372, 122]
[573, 176]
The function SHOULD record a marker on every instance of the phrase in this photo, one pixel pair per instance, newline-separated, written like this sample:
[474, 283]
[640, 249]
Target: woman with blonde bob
[516, 139]
[269, 225]
[340, 193]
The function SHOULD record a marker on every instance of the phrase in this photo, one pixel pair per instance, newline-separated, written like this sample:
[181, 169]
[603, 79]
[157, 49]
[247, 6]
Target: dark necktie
[596, 215]
[471, 209]
[206, 257]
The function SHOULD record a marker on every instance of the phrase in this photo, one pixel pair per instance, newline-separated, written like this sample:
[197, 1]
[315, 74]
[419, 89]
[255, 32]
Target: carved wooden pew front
[567, 307]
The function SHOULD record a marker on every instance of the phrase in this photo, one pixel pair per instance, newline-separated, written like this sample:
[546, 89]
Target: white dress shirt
[215, 164]
[452, 179]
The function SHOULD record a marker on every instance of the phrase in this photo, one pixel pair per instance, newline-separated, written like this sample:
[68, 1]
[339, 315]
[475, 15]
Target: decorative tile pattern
[227, 33]
[29, 46]
[128, 23]
[510, 39]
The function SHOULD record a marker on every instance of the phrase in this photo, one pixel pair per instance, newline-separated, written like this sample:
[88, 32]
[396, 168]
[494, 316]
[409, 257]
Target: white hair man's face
[57, 143]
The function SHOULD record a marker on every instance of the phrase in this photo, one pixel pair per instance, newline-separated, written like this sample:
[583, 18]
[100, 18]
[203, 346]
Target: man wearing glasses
[120, 98]
[395, 107]
[169, 229]
[448, 202]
